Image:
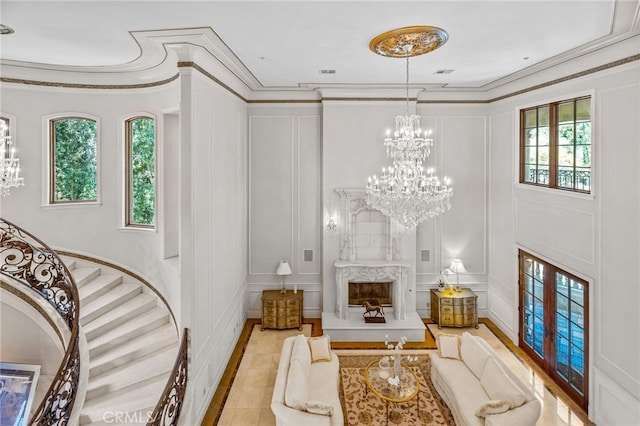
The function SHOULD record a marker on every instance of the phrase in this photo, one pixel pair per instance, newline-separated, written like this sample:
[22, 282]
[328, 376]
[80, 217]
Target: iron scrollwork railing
[29, 261]
[168, 409]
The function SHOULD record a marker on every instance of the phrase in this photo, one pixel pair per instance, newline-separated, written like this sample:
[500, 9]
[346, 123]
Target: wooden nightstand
[280, 310]
[454, 308]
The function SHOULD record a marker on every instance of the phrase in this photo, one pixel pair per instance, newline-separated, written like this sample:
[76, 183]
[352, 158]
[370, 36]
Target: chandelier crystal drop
[405, 191]
[9, 164]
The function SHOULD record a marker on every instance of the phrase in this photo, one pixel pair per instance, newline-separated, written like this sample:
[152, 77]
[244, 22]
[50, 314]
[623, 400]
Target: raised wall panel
[618, 351]
[309, 187]
[463, 145]
[270, 192]
[202, 220]
[565, 230]
[502, 255]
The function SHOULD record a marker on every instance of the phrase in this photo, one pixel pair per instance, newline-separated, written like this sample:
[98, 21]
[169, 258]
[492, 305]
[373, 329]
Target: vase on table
[397, 364]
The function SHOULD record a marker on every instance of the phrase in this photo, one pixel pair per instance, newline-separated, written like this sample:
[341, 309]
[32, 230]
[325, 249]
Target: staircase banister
[167, 411]
[28, 260]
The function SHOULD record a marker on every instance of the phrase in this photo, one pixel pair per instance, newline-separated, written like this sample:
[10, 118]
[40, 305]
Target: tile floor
[249, 400]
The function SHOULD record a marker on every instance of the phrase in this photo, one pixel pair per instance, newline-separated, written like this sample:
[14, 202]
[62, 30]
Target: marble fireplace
[369, 250]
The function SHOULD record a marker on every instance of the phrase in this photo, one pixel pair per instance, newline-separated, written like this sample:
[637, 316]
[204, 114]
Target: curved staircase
[132, 343]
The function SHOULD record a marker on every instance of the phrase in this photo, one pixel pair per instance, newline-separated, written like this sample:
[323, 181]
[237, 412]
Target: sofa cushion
[499, 385]
[462, 387]
[494, 406]
[320, 348]
[296, 392]
[449, 346]
[319, 407]
[302, 353]
[473, 354]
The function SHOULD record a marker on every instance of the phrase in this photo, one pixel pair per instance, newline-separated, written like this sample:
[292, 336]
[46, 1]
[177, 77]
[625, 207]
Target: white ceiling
[287, 43]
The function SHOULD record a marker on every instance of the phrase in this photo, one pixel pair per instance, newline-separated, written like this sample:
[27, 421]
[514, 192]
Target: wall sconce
[283, 270]
[332, 226]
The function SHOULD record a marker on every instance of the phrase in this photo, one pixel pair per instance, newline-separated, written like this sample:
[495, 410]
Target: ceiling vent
[444, 72]
[327, 71]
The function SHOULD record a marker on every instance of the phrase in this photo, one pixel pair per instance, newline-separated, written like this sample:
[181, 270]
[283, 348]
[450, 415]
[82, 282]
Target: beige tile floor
[249, 400]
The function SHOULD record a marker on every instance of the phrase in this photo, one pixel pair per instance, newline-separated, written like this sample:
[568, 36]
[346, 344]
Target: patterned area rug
[366, 408]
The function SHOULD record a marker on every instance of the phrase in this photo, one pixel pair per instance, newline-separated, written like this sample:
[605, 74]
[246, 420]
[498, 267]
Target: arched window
[74, 160]
[140, 172]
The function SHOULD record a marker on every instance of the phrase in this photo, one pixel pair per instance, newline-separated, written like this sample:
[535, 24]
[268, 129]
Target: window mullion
[553, 145]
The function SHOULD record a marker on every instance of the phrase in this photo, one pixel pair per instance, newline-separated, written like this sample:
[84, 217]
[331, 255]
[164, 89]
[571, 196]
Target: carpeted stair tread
[119, 315]
[121, 355]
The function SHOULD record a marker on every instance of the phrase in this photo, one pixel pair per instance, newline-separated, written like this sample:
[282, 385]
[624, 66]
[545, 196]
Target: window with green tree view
[555, 145]
[74, 148]
[140, 141]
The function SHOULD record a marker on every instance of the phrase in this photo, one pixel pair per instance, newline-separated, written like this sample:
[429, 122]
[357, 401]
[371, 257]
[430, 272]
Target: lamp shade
[283, 268]
[457, 267]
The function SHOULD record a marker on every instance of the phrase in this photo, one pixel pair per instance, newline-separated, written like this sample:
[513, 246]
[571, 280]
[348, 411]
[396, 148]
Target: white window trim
[123, 175]
[594, 147]
[47, 157]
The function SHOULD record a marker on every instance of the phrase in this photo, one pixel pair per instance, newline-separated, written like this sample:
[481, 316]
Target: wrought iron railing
[578, 179]
[29, 261]
[168, 409]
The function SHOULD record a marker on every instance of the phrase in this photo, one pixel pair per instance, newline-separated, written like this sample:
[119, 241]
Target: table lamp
[283, 269]
[457, 268]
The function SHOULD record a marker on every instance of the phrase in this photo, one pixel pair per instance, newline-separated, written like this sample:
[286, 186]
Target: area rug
[366, 408]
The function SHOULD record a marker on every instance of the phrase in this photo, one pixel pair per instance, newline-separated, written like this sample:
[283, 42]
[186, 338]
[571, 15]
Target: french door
[553, 328]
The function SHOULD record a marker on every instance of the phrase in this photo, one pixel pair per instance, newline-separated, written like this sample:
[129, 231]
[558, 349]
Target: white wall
[213, 231]
[595, 237]
[284, 201]
[353, 135]
[94, 229]
[27, 338]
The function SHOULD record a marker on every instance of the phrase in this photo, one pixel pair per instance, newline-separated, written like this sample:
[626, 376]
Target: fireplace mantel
[372, 271]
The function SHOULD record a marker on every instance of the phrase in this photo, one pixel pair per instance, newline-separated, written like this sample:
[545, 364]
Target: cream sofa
[306, 386]
[478, 388]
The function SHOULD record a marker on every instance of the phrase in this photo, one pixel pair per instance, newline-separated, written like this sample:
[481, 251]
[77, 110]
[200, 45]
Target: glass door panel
[570, 351]
[553, 308]
[533, 306]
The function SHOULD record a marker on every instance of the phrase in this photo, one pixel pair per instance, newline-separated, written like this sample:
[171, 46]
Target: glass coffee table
[377, 380]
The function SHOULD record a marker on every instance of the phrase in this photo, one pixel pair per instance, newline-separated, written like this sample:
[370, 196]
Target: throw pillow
[319, 407]
[449, 346]
[320, 348]
[473, 354]
[493, 407]
[498, 385]
[301, 353]
[296, 392]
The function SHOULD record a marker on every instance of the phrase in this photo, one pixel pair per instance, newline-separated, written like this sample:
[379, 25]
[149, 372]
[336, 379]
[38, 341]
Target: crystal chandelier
[9, 164]
[405, 191]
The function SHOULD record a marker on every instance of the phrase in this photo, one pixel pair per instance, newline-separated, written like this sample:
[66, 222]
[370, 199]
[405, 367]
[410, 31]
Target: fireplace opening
[378, 293]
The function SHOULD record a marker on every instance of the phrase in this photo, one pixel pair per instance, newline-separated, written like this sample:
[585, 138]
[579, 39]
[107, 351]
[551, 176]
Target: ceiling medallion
[408, 41]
